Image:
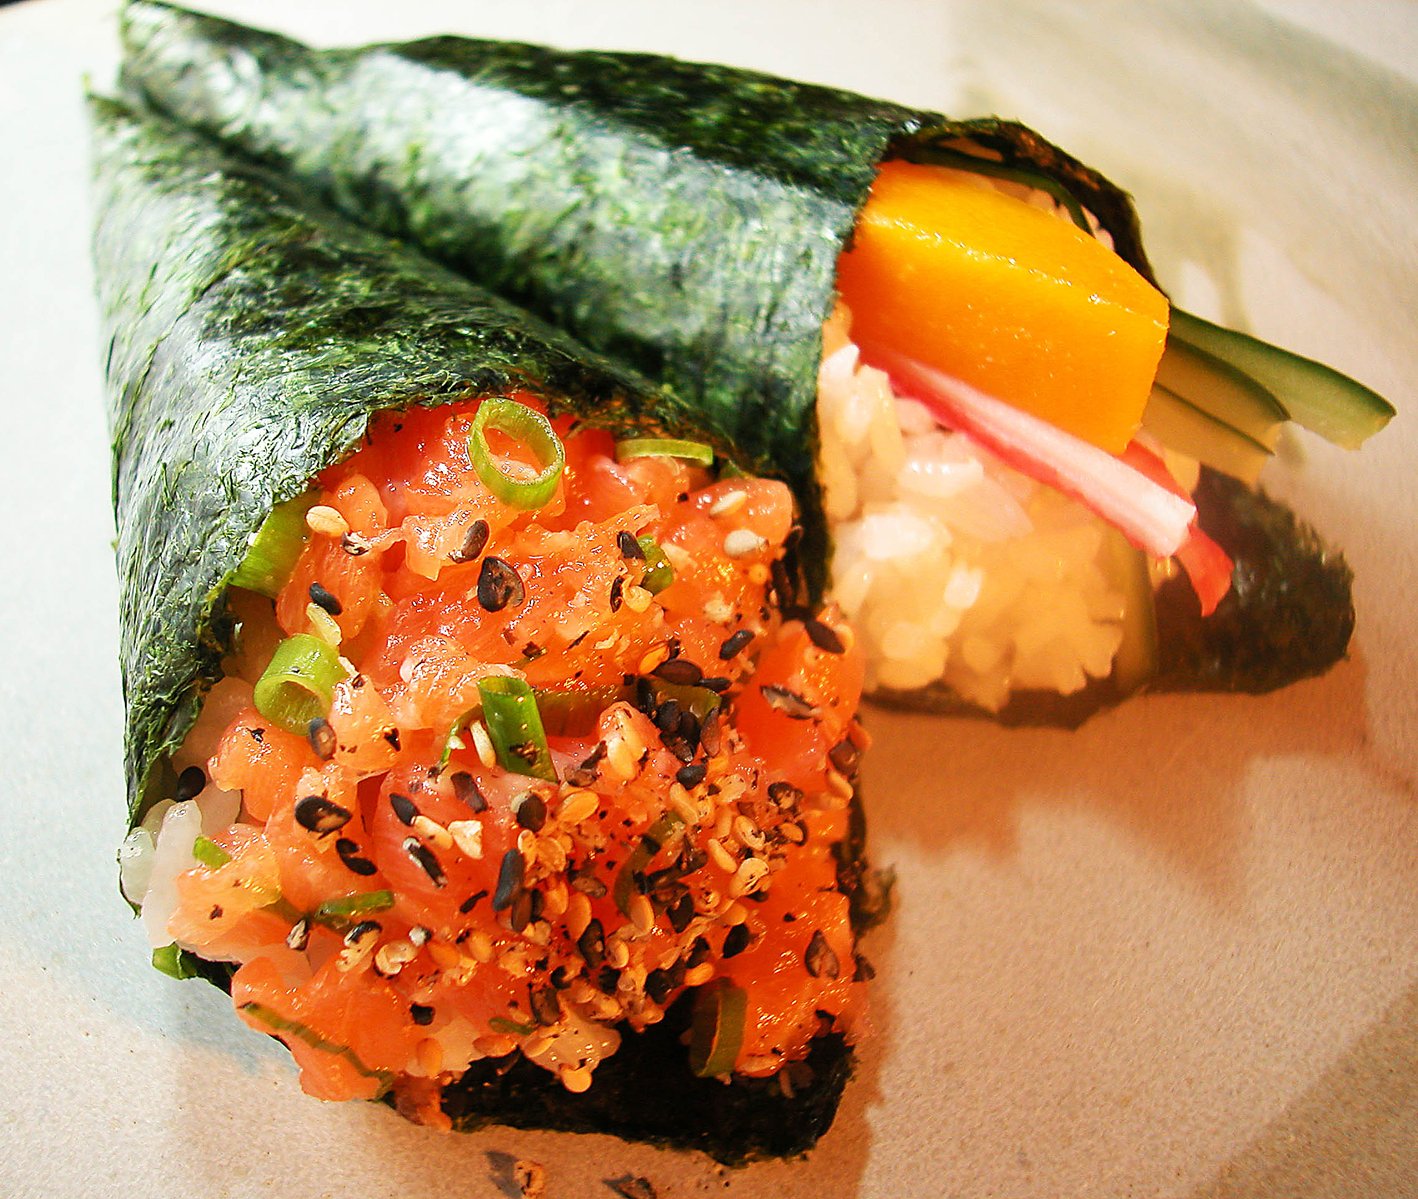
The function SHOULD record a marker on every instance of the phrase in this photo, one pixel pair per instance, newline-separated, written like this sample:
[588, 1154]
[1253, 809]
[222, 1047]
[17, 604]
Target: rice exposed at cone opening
[952, 566]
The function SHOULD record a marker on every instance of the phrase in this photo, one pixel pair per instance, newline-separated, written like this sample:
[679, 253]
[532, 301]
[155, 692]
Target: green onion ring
[340, 909]
[659, 574]
[299, 683]
[514, 725]
[209, 853]
[640, 857]
[716, 1034]
[174, 962]
[531, 428]
[273, 551]
[664, 447]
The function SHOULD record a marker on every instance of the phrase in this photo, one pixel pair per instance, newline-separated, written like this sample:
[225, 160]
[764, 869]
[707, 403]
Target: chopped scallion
[273, 551]
[568, 712]
[716, 1034]
[173, 962]
[511, 1027]
[209, 853]
[336, 911]
[299, 683]
[514, 725]
[664, 447]
[516, 485]
[659, 574]
[641, 856]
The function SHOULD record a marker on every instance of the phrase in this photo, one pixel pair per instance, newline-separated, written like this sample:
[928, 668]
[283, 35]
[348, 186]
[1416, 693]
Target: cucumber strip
[960, 160]
[1181, 425]
[1137, 658]
[1338, 408]
[1221, 390]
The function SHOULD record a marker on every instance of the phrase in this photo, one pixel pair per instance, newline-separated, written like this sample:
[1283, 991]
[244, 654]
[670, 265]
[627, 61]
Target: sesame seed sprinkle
[743, 543]
[325, 599]
[474, 541]
[735, 644]
[322, 738]
[316, 814]
[349, 854]
[326, 521]
[426, 861]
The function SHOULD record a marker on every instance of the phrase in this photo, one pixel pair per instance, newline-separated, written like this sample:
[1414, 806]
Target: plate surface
[1173, 954]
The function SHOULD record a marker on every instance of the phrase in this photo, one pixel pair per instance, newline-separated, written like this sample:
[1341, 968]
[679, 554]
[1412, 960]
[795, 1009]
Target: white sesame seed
[575, 1079]
[742, 543]
[527, 847]
[481, 947]
[494, 1045]
[720, 856]
[487, 755]
[653, 657]
[468, 837]
[749, 877]
[394, 956]
[700, 975]
[326, 521]
[718, 609]
[578, 805]
[578, 915]
[748, 833]
[618, 953]
[728, 503]
[637, 599]
[642, 914]
[430, 830]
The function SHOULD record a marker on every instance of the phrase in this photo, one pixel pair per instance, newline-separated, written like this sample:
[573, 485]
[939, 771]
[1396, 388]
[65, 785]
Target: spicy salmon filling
[524, 749]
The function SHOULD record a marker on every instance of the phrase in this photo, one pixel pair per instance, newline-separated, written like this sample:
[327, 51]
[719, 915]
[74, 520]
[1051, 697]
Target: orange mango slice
[1008, 297]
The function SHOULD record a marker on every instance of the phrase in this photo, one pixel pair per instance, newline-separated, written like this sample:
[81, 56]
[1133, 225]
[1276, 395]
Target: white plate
[1173, 954]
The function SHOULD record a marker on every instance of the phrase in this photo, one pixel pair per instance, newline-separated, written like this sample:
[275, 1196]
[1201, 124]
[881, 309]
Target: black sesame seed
[689, 727]
[865, 970]
[466, 788]
[404, 807]
[426, 861]
[823, 637]
[539, 904]
[715, 682]
[509, 879]
[546, 1005]
[629, 547]
[736, 940]
[324, 599]
[216, 913]
[591, 944]
[561, 978]
[689, 777]
[317, 814]
[783, 585]
[354, 545]
[679, 671]
[607, 980]
[790, 703]
[820, 959]
[321, 737]
[471, 902]
[299, 936]
[617, 588]
[709, 736]
[735, 644]
[785, 795]
[473, 542]
[348, 852]
[190, 784]
[392, 736]
[681, 913]
[532, 812]
[499, 585]
[667, 716]
[421, 1014]
[699, 953]
[520, 914]
[658, 985]
[361, 930]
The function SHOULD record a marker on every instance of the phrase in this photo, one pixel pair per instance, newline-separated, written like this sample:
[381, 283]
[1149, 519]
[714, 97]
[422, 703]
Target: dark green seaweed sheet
[687, 219]
[250, 340]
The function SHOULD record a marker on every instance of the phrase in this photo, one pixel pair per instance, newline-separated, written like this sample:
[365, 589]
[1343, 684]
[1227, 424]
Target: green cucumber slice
[1220, 389]
[1316, 396]
[1181, 425]
[1137, 658]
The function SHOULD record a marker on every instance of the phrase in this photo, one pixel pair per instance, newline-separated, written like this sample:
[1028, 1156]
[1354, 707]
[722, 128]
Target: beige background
[1174, 954]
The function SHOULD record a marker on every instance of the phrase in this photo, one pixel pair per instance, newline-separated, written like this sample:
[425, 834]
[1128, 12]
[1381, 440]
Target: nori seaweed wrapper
[688, 219]
[250, 340]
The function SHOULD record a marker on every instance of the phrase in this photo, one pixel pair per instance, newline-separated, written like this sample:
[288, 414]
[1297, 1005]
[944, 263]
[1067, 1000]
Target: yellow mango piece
[1010, 298]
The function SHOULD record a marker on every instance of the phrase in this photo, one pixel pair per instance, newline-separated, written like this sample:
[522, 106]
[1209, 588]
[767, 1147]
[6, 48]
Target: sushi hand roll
[1036, 476]
[477, 742]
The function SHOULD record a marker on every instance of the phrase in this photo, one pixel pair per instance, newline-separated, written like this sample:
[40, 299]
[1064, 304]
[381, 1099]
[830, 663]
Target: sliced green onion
[530, 427]
[209, 853]
[960, 160]
[337, 911]
[454, 741]
[273, 1020]
[641, 856]
[511, 1027]
[299, 683]
[514, 725]
[174, 962]
[699, 700]
[716, 1034]
[659, 574]
[574, 712]
[273, 551]
[664, 447]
